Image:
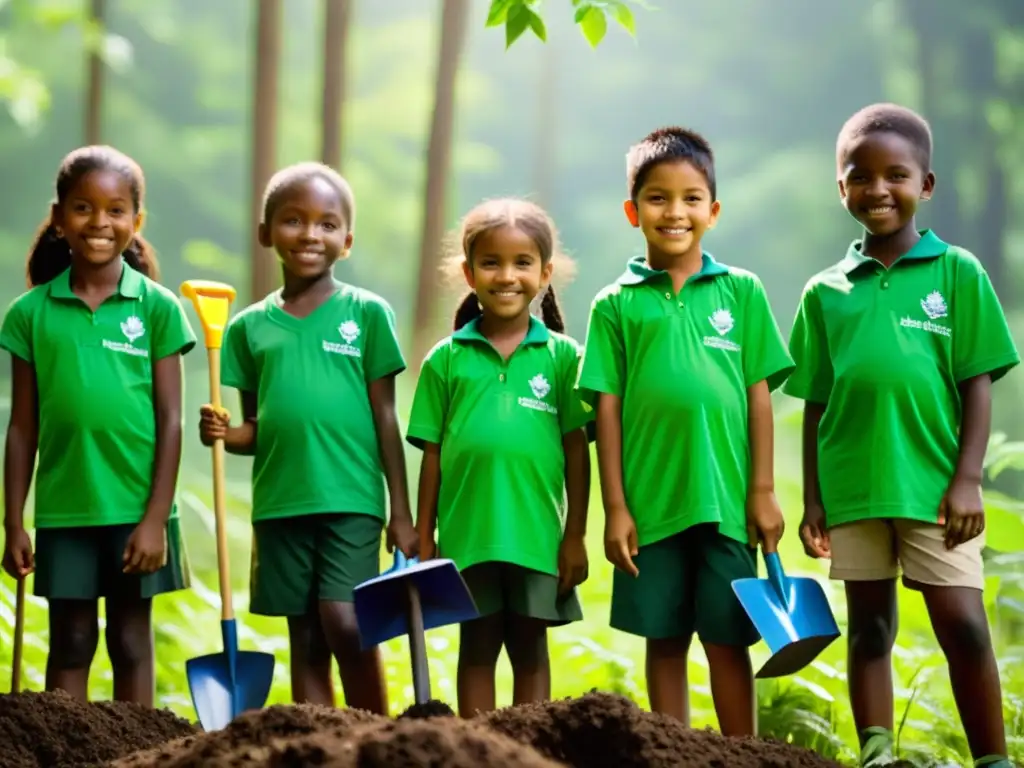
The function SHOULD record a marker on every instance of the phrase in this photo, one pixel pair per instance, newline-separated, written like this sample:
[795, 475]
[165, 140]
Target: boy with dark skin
[685, 451]
[897, 347]
[315, 364]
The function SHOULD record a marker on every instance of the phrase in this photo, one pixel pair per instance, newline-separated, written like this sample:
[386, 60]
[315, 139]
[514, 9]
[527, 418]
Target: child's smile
[506, 271]
[308, 229]
[675, 208]
[98, 219]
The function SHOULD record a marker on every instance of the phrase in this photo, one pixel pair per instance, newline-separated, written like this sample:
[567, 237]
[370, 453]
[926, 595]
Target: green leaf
[537, 25]
[583, 7]
[517, 22]
[498, 12]
[594, 25]
[624, 16]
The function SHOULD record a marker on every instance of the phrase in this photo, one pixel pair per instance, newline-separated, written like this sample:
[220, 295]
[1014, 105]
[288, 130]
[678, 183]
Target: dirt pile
[601, 730]
[57, 731]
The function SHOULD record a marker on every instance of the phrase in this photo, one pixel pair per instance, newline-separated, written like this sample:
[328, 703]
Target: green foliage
[591, 16]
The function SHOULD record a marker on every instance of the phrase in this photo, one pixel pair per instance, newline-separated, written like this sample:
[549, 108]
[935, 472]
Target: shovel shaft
[227, 611]
[19, 637]
[418, 646]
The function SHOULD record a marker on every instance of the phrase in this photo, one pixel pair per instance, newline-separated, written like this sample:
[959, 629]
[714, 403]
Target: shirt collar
[928, 247]
[537, 333]
[639, 271]
[129, 285]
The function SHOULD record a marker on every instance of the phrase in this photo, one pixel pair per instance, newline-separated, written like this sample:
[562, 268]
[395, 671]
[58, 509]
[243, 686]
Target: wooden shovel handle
[19, 637]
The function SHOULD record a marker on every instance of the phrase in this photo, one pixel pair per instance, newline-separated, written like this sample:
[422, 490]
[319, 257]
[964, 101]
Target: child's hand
[146, 550]
[962, 511]
[764, 520]
[402, 534]
[213, 424]
[620, 545]
[18, 560]
[813, 533]
[572, 563]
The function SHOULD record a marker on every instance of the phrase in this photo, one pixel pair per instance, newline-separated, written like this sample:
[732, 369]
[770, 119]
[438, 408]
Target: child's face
[882, 182]
[674, 209]
[97, 218]
[308, 229]
[506, 271]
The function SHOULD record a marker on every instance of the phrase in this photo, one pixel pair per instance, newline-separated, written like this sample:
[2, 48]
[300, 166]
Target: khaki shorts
[873, 550]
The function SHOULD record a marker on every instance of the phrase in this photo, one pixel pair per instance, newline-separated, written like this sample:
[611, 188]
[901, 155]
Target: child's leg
[952, 584]
[67, 575]
[480, 643]
[129, 602]
[347, 554]
[864, 557]
[658, 605]
[310, 660]
[723, 626]
[532, 605]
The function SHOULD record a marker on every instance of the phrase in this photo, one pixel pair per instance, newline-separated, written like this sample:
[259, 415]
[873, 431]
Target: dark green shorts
[505, 587]
[297, 561]
[86, 563]
[685, 586]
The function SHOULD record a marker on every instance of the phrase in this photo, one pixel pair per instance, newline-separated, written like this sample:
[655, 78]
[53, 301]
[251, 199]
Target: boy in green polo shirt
[897, 347]
[96, 347]
[681, 356]
[315, 363]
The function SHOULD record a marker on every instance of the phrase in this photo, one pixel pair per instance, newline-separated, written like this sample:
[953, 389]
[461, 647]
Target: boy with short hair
[897, 347]
[681, 355]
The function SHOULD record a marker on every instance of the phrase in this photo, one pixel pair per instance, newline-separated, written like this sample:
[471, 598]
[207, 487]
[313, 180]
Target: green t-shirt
[94, 374]
[500, 425]
[884, 350]
[316, 440]
[682, 364]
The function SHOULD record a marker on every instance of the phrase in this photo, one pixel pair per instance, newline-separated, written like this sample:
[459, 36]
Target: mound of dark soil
[56, 731]
[601, 730]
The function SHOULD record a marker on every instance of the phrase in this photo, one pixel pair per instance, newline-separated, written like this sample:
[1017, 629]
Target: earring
[59, 232]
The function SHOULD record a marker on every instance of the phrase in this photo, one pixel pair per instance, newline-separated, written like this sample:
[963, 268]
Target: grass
[810, 709]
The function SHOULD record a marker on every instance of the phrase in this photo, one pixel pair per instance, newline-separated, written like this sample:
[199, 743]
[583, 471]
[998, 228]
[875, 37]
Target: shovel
[19, 636]
[223, 685]
[792, 615]
[409, 599]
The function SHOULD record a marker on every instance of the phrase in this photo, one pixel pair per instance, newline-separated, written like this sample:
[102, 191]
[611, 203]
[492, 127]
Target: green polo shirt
[500, 425]
[316, 440]
[884, 350]
[94, 373]
[682, 364]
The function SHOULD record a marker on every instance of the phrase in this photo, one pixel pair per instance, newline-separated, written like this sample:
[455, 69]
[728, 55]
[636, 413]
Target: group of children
[894, 350]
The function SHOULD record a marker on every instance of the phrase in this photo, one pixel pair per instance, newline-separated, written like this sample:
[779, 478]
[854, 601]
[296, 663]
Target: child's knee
[872, 637]
[74, 646]
[526, 642]
[129, 644]
[965, 635]
[480, 641]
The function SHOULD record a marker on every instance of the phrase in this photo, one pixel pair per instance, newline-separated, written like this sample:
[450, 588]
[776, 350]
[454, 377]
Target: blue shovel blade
[791, 614]
[226, 684]
[381, 602]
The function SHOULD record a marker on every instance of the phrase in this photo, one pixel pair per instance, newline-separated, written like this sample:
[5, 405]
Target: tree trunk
[94, 89]
[546, 152]
[264, 273]
[454, 18]
[338, 15]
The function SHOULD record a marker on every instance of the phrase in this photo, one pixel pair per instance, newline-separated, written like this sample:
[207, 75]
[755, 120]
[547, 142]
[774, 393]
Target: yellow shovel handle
[212, 302]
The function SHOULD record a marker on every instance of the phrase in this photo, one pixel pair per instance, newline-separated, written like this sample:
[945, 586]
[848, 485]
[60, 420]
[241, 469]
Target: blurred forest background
[421, 105]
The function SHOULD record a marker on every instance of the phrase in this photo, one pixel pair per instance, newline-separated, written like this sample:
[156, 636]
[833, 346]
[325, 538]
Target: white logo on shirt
[541, 388]
[349, 331]
[133, 329]
[722, 321]
[935, 308]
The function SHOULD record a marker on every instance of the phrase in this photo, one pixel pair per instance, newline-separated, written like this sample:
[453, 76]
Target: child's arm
[764, 517]
[812, 526]
[144, 552]
[240, 440]
[572, 555]
[620, 540]
[426, 510]
[401, 531]
[19, 462]
[962, 509]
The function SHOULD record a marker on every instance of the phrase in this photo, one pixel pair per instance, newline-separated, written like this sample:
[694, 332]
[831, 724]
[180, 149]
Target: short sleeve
[573, 413]
[237, 364]
[603, 370]
[172, 334]
[813, 377]
[765, 356]
[430, 402]
[982, 342]
[16, 331]
[383, 354]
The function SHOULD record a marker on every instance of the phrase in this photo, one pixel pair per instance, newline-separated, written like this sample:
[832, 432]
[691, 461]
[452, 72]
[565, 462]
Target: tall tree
[337, 21]
[266, 56]
[94, 87]
[454, 17]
